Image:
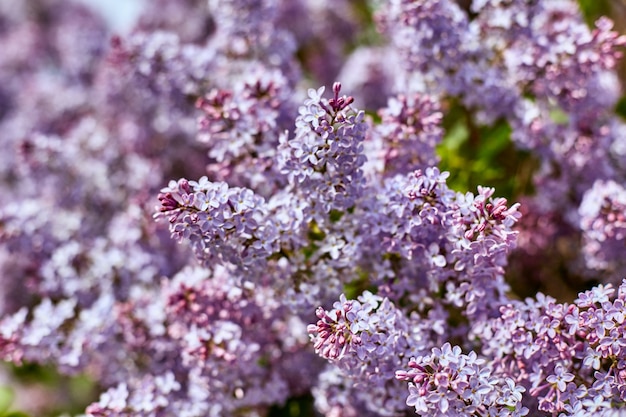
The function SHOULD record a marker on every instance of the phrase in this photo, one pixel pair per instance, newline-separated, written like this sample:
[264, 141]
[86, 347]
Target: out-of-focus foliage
[593, 9]
[483, 155]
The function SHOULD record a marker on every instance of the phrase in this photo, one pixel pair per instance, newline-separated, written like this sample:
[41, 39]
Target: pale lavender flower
[364, 338]
[410, 131]
[324, 160]
[448, 382]
[603, 222]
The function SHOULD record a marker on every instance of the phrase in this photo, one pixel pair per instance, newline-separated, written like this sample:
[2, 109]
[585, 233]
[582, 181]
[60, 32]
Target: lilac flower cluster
[603, 222]
[324, 159]
[367, 339]
[568, 356]
[244, 124]
[222, 224]
[312, 248]
[446, 242]
[410, 131]
[450, 383]
[539, 67]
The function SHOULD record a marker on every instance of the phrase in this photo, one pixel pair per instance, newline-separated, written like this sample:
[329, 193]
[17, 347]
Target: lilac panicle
[410, 130]
[447, 382]
[349, 202]
[431, 36]
[369, 74]
[324, 159]
[242, 334]
[603, 223]
[365, 338]
[323, 31]
[539, 67]
[567, 356]
[248, 31]
[243, 124]
[446, 241]
[223, 224]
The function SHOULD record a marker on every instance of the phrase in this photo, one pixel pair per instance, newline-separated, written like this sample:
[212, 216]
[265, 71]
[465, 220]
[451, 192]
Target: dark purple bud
[168, 203]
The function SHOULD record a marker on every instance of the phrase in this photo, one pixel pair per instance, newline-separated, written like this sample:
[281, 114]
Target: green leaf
[558, 116]
[15, 414]
[620, 108]
[6, 399]
[484, 155]
[455, 137]
[335, 215]
[294, 407]
[495, 140]
[594, 9]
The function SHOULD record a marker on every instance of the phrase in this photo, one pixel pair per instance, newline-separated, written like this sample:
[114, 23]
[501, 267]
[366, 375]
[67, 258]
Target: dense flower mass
[450, 383]
[202, 222]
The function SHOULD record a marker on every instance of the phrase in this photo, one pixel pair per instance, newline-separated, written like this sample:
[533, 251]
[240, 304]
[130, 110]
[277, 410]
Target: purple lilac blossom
[603, 222]
[366, 339]
[536, 65]
[368, 73]
[411, 129]
[438, 240]
[567, 356]
[447, 382]
[323, 31]
[244, 125]
[223, 224]
[323, 161]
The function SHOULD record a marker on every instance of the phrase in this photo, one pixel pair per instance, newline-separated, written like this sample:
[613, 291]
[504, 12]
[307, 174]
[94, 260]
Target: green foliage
[357, 286]
[7, 397]
[295, 407]
[620, 108]
[594, 9]
[77, 391]
[483, 155]
[28, 373]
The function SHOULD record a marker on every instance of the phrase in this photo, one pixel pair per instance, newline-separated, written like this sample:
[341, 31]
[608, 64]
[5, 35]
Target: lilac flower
[244, 123]
[368, 74]
[560, 378]
[602, 220]
[221, 223]
[410, 131]
[324, 159]
[247, 31]
[363, 338]
[447, 382]
[114, 400]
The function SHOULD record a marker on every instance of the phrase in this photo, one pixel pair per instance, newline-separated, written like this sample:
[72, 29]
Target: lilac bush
[240, 208]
